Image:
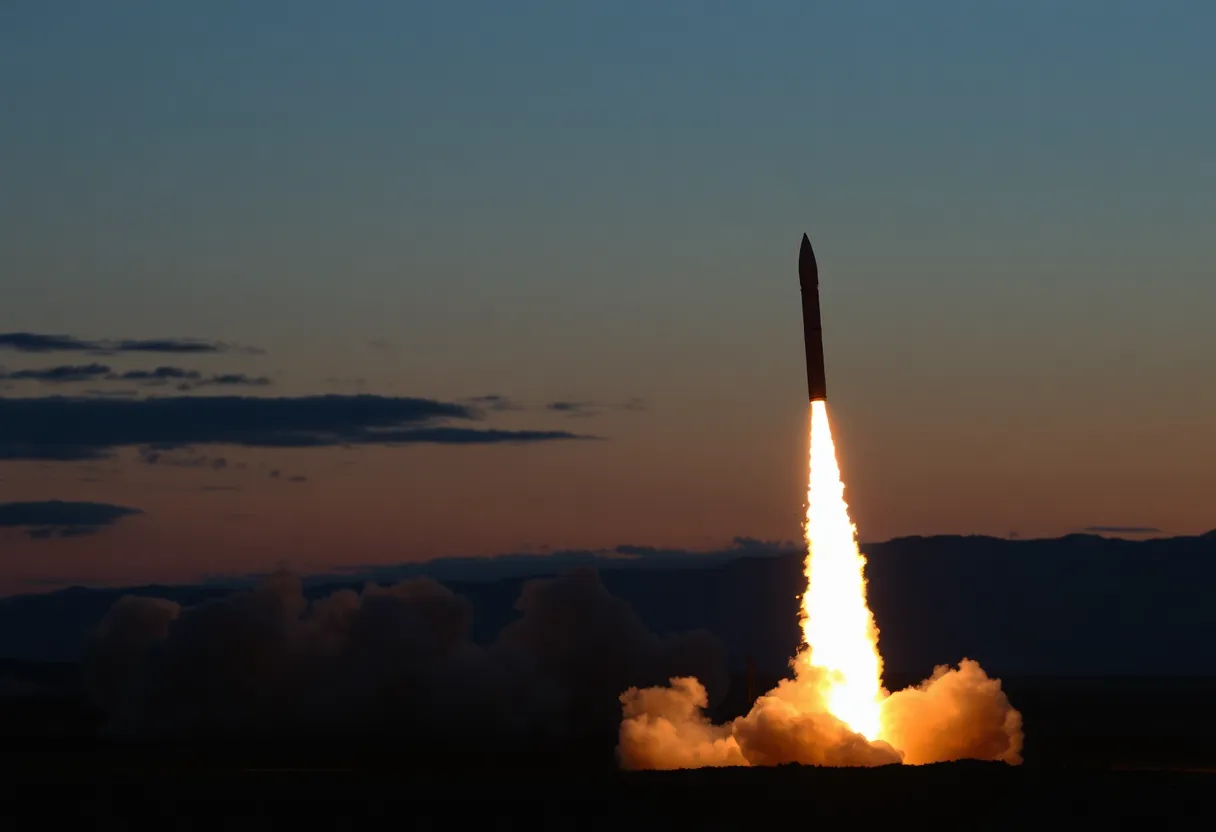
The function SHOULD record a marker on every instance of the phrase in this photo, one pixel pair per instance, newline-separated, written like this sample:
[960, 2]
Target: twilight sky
[593, 210]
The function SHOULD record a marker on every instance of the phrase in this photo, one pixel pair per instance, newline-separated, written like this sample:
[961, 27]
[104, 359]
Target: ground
[950, 795]
[1097, 749]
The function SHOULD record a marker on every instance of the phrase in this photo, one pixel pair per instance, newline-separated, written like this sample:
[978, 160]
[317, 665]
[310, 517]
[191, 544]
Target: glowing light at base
[837, 625]
[833, 710]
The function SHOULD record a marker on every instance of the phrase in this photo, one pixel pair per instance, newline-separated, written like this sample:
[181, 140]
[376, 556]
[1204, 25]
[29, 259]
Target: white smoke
[956, 714]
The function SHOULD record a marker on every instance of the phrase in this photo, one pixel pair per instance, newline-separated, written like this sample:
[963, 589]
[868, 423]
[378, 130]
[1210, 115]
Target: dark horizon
[543, 561]
[1024, 607]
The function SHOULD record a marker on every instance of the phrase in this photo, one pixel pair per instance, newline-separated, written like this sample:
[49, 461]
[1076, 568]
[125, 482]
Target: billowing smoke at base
[384, 662]
[834, 711]
[958, 713]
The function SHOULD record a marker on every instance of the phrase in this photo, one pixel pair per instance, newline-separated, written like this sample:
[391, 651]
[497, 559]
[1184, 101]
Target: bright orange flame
[955, 714]
[837, 624]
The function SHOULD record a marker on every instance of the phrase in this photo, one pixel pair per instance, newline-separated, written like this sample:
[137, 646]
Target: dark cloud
[573, 408]
[1122, 529]
[172, 345]
[57, 518]
[187, 379]
[191, 379]
[159, 375]
[29, 342]
[32, 342]
[13, 452]
[235, 380]
[584, 408]
[58, 375]
[566, 407]
[60, 428]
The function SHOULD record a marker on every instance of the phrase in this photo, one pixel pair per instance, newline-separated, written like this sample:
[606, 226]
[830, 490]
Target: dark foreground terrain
[415, 792]
[1097, 749]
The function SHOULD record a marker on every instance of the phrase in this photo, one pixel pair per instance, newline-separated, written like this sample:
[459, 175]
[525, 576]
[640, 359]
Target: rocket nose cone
[808, 269]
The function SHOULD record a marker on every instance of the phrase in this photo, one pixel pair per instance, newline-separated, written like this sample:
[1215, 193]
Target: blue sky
[1010, 202]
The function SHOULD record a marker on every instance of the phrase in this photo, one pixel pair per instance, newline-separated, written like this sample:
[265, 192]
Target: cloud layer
[185, 379]
[573, 409]
[64, 374]
[585, 408]
[41, 343]
[56, 518]
[66, 428]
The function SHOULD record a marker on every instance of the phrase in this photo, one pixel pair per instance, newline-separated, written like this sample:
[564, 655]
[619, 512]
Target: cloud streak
[63, 374]
[57, 518]
[66, 428]
[586, 408]
[187, 379]
[42, 343]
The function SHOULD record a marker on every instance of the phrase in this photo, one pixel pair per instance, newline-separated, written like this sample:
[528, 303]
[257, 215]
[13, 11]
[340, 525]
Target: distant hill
[1076, 605]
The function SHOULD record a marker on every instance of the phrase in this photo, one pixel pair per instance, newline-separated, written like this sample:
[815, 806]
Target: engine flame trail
[837, 625]
[836, 692]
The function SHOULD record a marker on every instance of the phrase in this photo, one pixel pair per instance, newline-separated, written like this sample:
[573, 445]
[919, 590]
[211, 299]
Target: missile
[812, 329]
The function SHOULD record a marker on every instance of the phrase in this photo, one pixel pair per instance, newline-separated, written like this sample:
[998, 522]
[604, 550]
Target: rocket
[812, 329]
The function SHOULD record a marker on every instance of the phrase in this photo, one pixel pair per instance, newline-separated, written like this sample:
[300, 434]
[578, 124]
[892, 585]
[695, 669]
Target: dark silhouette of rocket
[812, 329]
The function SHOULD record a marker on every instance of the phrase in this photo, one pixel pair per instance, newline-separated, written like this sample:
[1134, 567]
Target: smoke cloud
[394, 660]
[399, 661]
[958, 713]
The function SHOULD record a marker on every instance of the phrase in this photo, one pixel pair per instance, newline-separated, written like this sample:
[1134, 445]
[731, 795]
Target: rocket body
[812, 329]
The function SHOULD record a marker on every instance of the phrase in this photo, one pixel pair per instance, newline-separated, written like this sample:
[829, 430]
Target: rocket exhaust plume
[834, 711]
[837, 627]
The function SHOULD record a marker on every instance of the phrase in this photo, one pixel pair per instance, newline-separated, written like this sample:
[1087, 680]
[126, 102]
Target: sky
[592, 212]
